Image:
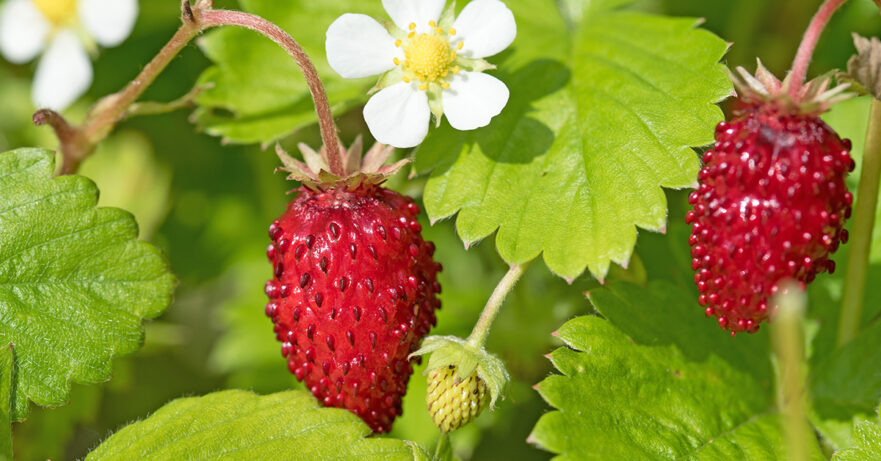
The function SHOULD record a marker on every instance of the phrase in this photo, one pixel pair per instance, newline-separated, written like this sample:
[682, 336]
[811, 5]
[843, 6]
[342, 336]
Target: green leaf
[75, 283]
[867, 436]
[594, 129]
[6, 374]
[655, 381]
[259, 94]
[241, 425]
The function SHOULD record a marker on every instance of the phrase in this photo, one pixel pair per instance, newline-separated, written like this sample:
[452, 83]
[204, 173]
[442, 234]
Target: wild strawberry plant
[589, 134]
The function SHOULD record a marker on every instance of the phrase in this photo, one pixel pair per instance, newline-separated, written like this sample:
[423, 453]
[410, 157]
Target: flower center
[428, 57]
[58, 12]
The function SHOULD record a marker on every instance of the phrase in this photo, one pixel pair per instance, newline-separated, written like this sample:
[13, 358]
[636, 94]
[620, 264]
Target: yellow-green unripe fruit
[454, 405]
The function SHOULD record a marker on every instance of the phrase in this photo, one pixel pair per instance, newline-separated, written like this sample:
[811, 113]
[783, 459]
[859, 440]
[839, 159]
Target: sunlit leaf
[604, 112]
[241, 425]
[75, 283]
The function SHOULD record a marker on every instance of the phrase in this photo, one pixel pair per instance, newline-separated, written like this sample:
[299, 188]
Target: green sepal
[392, 77]
[392, 29]
[451, 350]
[436, 103]
[448, 17]
[474, 65]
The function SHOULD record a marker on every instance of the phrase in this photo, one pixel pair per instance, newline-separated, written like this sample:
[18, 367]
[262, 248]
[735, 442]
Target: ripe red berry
[771, 205]
[353, 294]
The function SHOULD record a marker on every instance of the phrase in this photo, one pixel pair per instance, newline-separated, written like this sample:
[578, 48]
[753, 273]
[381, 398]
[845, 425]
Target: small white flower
[65, 31]
[431, 64]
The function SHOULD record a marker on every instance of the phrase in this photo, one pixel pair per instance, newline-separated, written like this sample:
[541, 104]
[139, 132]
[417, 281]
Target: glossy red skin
[354, 293]
[771, 205]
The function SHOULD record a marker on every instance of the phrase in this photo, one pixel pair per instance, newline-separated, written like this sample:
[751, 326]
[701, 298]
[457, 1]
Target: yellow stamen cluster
[58, 12]
[428, 57]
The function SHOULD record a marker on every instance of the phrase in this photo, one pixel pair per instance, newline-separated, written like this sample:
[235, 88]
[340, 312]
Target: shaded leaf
[241, 425]
[75, 283]
[594, 129]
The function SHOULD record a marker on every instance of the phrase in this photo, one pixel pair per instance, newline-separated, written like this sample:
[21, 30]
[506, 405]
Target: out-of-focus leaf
[241, 425]
[126, 170]
[247, 349]
[602, 115]
[851, 120]
[653, 382]
[846, 386]
[75, 283]
[48, 432]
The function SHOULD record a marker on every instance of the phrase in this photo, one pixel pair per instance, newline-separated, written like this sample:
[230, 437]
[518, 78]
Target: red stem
[809, 44]
[212, 18]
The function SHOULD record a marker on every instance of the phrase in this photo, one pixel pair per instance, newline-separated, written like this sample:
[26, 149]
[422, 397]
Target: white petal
[398, 115]
[486, 26]
[419, 12]
[23, 30]
[473, 99]
[63, 74]
[110, 22]
[358, 46]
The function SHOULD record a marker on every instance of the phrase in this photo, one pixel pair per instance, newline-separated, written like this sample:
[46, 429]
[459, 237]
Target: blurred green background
[208, 207]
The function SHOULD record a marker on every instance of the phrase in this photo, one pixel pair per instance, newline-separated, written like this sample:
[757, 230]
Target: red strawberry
[771, 202]
[354, 288]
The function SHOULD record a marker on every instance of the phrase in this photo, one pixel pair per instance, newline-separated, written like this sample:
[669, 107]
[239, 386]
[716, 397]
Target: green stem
[443, 446]
[864, 222]
[481, 328]
[788, 339]
[78, 142]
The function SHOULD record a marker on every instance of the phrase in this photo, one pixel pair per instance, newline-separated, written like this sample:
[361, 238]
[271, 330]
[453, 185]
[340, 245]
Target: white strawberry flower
[65, 31]
[430, 62]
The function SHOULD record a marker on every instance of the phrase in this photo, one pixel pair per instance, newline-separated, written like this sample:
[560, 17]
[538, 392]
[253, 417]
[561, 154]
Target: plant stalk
[77, 143]
[481, 329]
[863, 227]
[332, 151]
[809, 44]
[788, 339]
[443, 446]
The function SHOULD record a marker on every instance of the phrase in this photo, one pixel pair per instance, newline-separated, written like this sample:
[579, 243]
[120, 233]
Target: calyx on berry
[316, 173]
[814, 97]
[470, 364]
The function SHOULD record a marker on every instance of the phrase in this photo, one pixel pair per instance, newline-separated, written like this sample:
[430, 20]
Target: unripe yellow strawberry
[453, 403]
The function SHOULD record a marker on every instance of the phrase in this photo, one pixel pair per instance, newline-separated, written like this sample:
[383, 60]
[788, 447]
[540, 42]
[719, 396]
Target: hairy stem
[74, 145]
[110, 110]
[863, 226]
[481, 328]
[442, 447]
[276, 34]
[77, 143]
[809, 44]
[789, 347]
